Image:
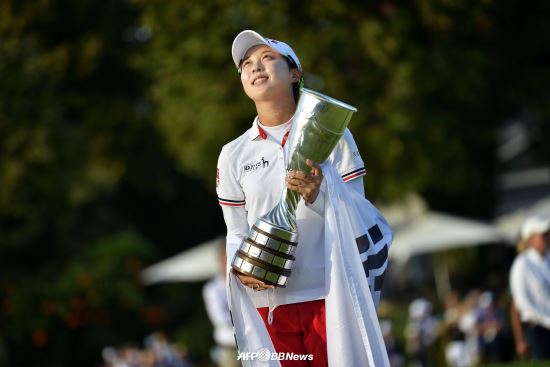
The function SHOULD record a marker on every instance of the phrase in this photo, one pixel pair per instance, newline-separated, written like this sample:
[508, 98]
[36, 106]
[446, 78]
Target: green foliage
[431, 79]
[91, 298]
[519, 364]
[78, 155]
[198, 106]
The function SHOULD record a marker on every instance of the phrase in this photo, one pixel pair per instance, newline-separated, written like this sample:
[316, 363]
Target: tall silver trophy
[267, 254]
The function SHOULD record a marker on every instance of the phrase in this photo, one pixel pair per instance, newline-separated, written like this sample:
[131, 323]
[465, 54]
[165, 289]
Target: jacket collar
[256, 131]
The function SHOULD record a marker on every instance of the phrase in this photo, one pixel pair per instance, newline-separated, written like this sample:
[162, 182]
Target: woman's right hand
[250, 282]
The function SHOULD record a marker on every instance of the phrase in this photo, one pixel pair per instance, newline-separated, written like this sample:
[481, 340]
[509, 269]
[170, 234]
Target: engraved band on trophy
[267, 254]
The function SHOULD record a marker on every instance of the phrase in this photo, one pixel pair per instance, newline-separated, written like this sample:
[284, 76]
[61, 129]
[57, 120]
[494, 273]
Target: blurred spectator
[158, 352]
[164, 354]
[224, 354]
[530, 285]
[490, 322]
[130, 355]
[111, 358]
[456, 354]
[421, 332]
[467, 323]
[395, 357]
[451, 316]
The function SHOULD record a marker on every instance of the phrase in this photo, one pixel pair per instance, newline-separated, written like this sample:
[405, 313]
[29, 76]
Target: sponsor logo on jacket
[254, 166]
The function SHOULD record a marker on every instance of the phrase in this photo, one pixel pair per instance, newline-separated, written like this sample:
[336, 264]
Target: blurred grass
[519, 364]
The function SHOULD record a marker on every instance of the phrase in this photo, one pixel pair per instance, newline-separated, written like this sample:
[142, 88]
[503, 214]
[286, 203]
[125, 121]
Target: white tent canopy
[433, 231]
[421, 231]
[510, 223]
[197, 264]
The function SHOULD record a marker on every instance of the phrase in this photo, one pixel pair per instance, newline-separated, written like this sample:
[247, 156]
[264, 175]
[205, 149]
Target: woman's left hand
[307, 184]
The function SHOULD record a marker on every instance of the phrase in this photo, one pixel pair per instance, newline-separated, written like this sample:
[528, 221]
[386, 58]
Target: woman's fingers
[252, 283]
[298, 175]
[309, 189]
[307, 184]
[315, 168]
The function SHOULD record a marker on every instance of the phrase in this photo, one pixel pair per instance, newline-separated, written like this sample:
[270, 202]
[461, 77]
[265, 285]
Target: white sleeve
[237, 229]
[346, 158]
[517, 285]
[232, 200]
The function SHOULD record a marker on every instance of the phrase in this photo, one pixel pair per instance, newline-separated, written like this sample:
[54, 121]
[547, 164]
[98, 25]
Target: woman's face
[265, 74]
[541, 242]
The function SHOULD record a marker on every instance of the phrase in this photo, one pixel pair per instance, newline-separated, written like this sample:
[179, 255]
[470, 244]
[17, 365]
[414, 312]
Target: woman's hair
[522, 245]
[295, 86]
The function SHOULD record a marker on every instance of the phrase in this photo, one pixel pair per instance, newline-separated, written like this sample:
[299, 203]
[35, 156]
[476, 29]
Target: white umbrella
[197, 264]
[432, 231]
[510, 223]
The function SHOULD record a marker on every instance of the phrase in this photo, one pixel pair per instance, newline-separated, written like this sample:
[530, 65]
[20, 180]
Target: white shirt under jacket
[530, 285]
[249, 181]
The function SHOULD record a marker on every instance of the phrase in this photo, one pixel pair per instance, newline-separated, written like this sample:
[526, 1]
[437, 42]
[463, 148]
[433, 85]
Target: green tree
[432, 81]
[85, 185]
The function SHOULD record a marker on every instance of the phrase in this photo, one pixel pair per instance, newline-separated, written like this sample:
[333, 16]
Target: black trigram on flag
[374, 256]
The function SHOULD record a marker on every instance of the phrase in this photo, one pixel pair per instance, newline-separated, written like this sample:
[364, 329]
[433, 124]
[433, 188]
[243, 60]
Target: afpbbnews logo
[264, 355]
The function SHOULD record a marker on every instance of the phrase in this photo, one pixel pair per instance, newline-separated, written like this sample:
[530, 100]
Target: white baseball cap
[534, 225]
[247, 39]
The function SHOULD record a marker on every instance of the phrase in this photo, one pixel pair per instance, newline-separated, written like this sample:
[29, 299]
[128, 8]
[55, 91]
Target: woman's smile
[260, 79]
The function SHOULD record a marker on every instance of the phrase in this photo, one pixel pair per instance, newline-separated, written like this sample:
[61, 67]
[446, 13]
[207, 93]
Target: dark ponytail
[295, 86]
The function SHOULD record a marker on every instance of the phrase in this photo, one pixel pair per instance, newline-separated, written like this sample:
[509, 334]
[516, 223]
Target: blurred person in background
[468, 325]
[421, 333]
[394, 354]
[162, 353]
[158, 352]
[214, 293]
[111, 358]
[456, 353]
[522, 349]
[124, 356]
[530, 285]
[130, 356]
[490, 322]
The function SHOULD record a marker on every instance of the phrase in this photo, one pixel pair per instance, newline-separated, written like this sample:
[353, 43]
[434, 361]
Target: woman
[250, 178]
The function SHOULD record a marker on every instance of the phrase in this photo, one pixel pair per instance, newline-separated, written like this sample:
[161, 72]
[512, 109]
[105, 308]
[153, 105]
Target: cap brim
[243, 42]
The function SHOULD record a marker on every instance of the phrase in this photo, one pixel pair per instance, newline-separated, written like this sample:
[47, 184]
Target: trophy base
[267, 254]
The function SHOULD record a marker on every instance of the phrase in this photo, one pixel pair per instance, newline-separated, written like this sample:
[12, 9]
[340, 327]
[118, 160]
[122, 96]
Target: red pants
[299, 328]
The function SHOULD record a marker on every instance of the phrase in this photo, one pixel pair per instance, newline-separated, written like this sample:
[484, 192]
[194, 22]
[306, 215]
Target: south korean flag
[357, 240]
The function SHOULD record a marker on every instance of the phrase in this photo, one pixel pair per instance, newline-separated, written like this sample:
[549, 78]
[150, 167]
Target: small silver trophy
[267, 254]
